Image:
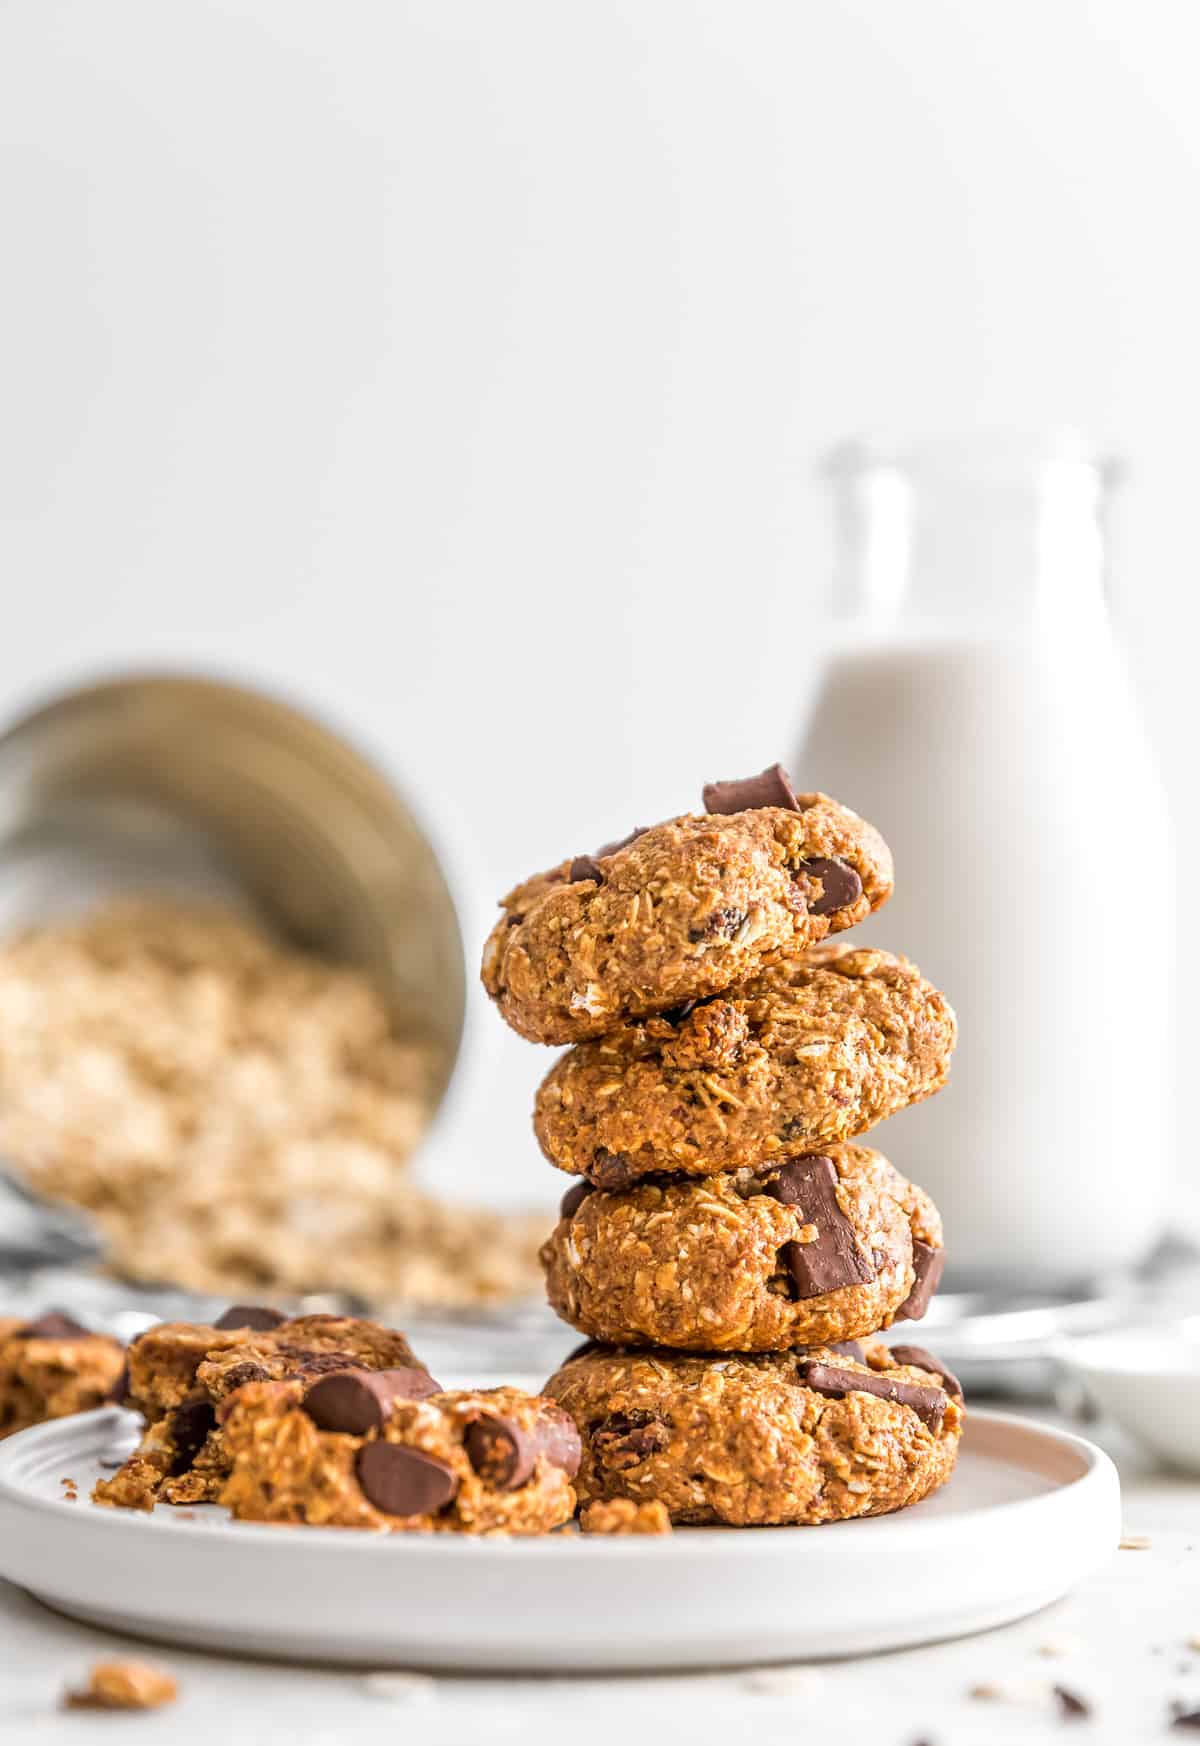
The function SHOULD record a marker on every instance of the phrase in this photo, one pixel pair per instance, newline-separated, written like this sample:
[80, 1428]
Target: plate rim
[1097, 1469]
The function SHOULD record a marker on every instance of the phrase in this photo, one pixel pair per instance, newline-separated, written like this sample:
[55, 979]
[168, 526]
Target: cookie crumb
[1193, 1641]
[783, 1681]
[123, 1685]
[1134, 1542]
[620, 1515]
[399, 1688]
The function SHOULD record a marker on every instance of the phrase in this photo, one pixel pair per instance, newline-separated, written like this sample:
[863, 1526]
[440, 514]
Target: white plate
[1028, 1513]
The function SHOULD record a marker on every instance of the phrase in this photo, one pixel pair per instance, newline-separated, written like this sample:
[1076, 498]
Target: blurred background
[462, 374]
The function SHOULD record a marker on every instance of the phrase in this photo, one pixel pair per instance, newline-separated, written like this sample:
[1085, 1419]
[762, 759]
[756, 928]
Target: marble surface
[1121, 1642]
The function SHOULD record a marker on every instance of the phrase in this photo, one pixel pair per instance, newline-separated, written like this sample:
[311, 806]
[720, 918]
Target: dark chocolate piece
[1071, 1707]
[772, 787]
[929, 1404]
[928, 1265]
[610, 1170]
[259, 1317]
[573, 1199]
[54, 1325]
[833, 1259]
[357, 1401]
[403, 1482]
[505, 1454]
[923, 1360]
[624, 1439]
[585, 867]
[840, 884]
[188, 1429]
[1181, 1718]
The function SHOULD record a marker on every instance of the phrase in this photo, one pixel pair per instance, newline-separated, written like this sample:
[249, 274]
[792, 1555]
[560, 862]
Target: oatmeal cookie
[179, 1373]
[811, 1249]
[332, 1454]
[682, 910]
[808, 1436]
[808, 1052]
[52, 1367]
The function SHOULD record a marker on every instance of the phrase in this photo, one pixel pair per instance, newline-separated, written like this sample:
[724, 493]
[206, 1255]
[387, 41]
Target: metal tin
[178, 782]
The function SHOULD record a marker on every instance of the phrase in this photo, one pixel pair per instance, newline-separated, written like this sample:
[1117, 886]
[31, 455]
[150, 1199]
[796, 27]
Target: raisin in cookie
[681, 910]
[180, 1373]
[811, 1250]
[810, 1051]
[52, 1367]
[814, 1435]
[342, 1453]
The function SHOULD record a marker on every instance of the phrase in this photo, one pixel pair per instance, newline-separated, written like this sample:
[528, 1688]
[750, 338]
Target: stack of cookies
[726, 1248]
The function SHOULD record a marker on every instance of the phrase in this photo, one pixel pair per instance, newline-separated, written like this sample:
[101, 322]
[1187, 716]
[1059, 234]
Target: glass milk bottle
[974, 705]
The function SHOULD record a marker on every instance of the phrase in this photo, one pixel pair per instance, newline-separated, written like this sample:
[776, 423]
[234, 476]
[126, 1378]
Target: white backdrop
[461, 367]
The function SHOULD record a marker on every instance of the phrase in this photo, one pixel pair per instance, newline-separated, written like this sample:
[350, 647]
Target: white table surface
[1123, 1635]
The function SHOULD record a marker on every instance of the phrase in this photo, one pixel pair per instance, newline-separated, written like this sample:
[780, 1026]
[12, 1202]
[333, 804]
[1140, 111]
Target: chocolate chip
[54, 1325]
[1071, 1707]
[624, 1439]
[611, 1170]
[256, 1316]
[240, 1374]
[358, 1401]
[772, 787]
[928, 1266]
[585, 867]
[403, 1482]
[505, 1453]
[840, 884]
[833, 1259]
[188, 1429]
[923, 1360]
[721, 924]
[573, 1199]
[929, 1404]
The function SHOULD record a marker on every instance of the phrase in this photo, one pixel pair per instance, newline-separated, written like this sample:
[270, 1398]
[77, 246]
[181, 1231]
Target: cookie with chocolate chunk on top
[682, 910]
[52, 1367]
[808, 1250]
[819, 1434]
[467, 1462]
[808, 1052]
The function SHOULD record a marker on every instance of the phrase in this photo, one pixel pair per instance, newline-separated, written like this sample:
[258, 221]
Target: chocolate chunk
[840, 884]
[834, 1258]
[928, 1265]
[573, 1199]
[923, 1360]
[359, 1401]
[1071, 1707]
[256, 1316]
[772, 787]
[611, 1170]
[585, 867]
[240, 1374]
[403, 1482]
[54, 1325]
[1186, 1719]
[624, 1439]
[720, 924]
[505, 1454]
[929, 1404]
[188, 1429]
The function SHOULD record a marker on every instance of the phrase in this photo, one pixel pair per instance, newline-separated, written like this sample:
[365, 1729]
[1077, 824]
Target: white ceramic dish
[1028, 1513]
[1148, 1380]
